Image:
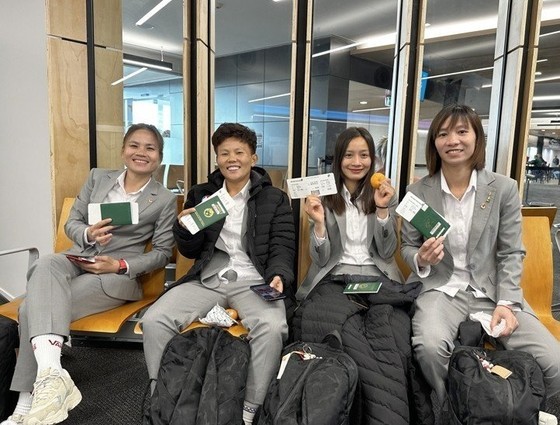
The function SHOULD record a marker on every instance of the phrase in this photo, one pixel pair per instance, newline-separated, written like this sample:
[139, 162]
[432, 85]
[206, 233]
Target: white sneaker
[54, 394]
[15, 419]
[547, 419]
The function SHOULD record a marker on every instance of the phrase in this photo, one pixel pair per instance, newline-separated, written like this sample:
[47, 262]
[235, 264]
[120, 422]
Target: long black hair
[364, 190]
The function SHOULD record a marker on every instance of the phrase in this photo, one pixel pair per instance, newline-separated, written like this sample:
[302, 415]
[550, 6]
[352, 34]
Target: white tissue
[218, 316]
[485, 319]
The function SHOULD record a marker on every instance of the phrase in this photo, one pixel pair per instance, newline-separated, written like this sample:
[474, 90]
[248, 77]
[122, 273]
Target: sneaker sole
[71, 401]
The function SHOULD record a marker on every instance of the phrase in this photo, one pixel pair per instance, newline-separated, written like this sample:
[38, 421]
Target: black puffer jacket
[270, 239]
[375, 332]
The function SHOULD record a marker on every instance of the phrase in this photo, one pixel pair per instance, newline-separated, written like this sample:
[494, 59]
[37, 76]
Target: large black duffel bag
[480, 394]
[9, 341]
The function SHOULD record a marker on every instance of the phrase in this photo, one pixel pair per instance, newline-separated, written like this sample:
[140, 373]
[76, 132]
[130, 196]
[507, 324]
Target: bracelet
[380, 208]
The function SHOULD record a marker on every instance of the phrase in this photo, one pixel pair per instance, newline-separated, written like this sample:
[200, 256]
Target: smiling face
[235, 160]
[456, 145]
[356, 162]
[140, 153]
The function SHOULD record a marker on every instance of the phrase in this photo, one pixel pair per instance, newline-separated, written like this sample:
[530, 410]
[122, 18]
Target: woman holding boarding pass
[477, 265]
[353, 238]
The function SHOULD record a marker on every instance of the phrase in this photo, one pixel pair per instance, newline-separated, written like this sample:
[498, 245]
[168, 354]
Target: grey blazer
[326, 256]
[157, 208]
[495, 251]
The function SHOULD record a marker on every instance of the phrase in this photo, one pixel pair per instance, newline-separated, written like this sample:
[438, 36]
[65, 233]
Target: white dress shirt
[231, 236]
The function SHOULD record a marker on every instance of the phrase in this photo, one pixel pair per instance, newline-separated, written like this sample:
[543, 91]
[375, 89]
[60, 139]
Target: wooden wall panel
[67, 18]
[109, 107]
[107, 18]
[68, 117]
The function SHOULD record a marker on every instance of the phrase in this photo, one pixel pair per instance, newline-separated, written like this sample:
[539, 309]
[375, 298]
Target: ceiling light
[545, 98]
[540, 80]
[147, 62]
[363, 102]
[268, 97]
[384, 108]
[549, 33]
[152, 12]
[538, 73]
[132, 74]
[467, 71]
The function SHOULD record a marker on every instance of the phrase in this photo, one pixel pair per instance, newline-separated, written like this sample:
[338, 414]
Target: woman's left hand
[103, 264]
[506, 313]
[382, 195]
[277, 284]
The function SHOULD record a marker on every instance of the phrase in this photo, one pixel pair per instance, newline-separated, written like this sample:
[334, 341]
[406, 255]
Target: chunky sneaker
[54, 394]
[547, 419]
[15, 419]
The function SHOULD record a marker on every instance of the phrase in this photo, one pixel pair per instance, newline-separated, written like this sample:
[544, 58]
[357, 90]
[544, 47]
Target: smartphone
[267, 292]
[80, 259]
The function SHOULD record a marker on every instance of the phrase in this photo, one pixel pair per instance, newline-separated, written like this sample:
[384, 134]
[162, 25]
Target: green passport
[205, 214]
[120, 212]
[362, 288]
[423, 217]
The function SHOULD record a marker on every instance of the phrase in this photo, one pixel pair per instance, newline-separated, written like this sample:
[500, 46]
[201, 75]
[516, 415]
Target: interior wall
[25, 189]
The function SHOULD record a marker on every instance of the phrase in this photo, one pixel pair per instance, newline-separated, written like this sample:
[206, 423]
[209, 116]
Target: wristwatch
[122, 267]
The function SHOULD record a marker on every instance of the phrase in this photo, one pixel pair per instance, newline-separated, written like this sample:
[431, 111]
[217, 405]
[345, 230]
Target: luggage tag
[501, 371]
[304, 355]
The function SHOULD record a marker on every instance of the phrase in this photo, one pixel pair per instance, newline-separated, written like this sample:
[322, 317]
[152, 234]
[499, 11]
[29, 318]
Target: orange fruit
[232, 313]
[376, 180]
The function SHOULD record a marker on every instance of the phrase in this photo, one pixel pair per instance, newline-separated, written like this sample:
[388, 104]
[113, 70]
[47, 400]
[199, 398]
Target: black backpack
[201, 380]
[316, 387]
[9, 341]
[478, 396]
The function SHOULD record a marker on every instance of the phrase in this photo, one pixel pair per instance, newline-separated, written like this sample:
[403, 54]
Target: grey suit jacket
[495, 251]
[157, 209]
[327, 255]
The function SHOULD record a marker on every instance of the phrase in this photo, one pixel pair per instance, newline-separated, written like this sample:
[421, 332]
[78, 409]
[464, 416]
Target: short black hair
[237, 131]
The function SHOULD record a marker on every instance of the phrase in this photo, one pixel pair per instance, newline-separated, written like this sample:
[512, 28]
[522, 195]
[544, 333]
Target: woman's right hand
[314, 209]
[431, 252]
[183, 213]
[100, 232]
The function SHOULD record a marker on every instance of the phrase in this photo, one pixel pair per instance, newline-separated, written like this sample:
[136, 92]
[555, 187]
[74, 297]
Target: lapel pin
[150, 200]
[488, 198]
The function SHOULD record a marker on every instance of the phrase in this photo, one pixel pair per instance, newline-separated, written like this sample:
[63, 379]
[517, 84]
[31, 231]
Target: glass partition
[352, 66]
[252, 75]
[152, 83]
[542, 177]
[458, 62]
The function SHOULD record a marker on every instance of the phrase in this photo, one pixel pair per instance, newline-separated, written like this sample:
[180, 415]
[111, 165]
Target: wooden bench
[549, 212]
[537, 279]
[110, 321]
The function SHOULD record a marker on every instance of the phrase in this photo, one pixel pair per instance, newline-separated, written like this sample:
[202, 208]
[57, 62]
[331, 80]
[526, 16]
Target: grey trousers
[58, 292]
[187, 302]
[435, 326]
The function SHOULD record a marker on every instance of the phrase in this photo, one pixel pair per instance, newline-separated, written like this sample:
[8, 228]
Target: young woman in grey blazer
[60, 290]
[477, 265]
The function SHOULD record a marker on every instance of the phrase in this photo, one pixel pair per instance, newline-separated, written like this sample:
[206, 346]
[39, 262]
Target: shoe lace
[45, 388]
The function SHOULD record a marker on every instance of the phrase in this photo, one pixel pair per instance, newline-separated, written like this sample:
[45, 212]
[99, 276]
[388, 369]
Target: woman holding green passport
[98, 273]
[353, 238]
[477, 266]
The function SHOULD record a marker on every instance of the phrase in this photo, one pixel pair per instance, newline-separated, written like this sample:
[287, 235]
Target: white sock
[249, 410]
[47, 350]
[23, 405]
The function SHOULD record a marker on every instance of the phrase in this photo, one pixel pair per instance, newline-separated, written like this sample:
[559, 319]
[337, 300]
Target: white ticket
[320, 185]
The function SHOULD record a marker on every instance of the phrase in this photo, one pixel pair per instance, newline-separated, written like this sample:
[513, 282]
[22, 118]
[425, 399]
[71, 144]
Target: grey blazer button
[483, 290]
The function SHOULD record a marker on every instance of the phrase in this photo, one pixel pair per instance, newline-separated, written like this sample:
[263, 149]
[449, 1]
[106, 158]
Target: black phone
[80, 259]
[267, 292]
